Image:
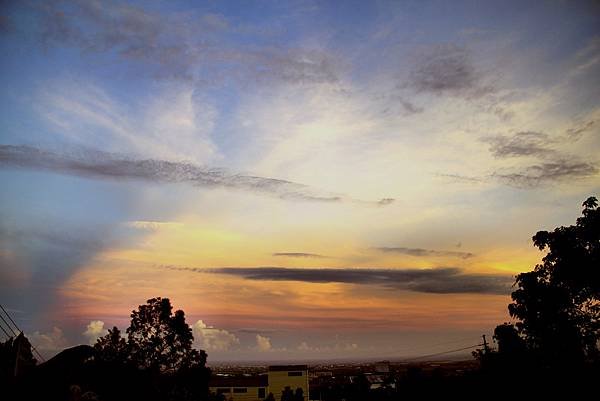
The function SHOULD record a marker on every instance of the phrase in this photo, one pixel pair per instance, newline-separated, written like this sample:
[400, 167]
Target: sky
[304, 179]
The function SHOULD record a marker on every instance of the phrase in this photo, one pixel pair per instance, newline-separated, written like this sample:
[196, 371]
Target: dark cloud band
[437, 281]
[538, 174]
[96, 164]
[425, 252]
[300, 255]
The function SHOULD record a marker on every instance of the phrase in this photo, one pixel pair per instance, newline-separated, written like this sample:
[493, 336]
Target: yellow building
[257, 388]
[240, 388]
[292, 376]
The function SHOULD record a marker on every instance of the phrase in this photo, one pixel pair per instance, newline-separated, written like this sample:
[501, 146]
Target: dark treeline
[155, 361]
[550, 348]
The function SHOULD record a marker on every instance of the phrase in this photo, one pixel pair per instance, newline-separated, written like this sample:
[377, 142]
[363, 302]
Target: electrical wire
[19, 330]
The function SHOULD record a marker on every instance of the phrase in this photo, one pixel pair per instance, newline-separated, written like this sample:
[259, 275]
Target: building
[257, 388]
[292, 376]
[240, 388]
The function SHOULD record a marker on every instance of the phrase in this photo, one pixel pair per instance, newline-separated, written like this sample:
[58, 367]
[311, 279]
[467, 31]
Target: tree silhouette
[112, 347]
[558, 303]
[157, 340]
[509, 341]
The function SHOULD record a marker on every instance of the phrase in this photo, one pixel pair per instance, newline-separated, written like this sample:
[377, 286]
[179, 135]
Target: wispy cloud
[425, 252]
[300, 255]
[439, 281]
[576, 132]
[533, 176]
[95, 164]
[528, 143]
[190, 46]
[448, 69]
[538, 174]
[461, 178]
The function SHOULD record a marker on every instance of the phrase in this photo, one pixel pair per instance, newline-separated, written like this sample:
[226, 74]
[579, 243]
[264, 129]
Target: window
[223, 390]
[240, 390]
[294, 373]
[261, 393]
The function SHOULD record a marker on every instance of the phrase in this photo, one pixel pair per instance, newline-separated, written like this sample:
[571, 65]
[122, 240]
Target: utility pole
[485, 345]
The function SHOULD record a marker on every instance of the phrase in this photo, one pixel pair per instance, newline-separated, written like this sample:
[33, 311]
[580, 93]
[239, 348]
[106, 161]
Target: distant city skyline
[306, 180]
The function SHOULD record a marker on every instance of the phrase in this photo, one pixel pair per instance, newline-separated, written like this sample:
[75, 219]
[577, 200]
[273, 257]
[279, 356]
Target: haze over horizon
[306, 180]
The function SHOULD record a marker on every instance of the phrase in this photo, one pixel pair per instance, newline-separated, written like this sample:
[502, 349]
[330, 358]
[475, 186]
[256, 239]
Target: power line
[10, 318]
[8, 325]
[442, 353]
[8, 336]
[429, 346]
[19, 330]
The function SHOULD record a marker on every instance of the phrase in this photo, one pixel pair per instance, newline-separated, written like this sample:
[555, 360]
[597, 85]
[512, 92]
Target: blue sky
[143, 144]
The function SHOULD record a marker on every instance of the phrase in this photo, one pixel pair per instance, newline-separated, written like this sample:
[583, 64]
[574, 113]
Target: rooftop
[284, 368]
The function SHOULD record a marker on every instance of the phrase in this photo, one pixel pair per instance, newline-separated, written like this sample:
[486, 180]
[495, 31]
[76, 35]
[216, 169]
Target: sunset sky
[304, 179]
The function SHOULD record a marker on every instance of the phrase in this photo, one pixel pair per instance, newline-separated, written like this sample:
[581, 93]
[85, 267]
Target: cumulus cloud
[210, 338]
[94, 330]
[528, 143]
[447, 69]
[96, 164]
[425, 252]
[49, 343]
[447, 280]
[263, 343]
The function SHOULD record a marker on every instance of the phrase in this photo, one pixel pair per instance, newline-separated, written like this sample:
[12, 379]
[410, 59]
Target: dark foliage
[157, 340]
[155, 363]
[557, 305]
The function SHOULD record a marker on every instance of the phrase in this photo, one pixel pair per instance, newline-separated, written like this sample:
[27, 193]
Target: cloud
[192, 46]
[48, 250]
[132, 33]
[526, 143]
[263, 343]
[409, 108]
[533, 176]
[461, 178]
[538, 174]
[94, 330]
[299, 255]
[152, 225]
[425, 252]
[305, 347]
[253, 330]
[49, 343]
[210, 338]
[96, 164]
[386, 201]
[447, 69]
[575, 133]
[447, 280]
